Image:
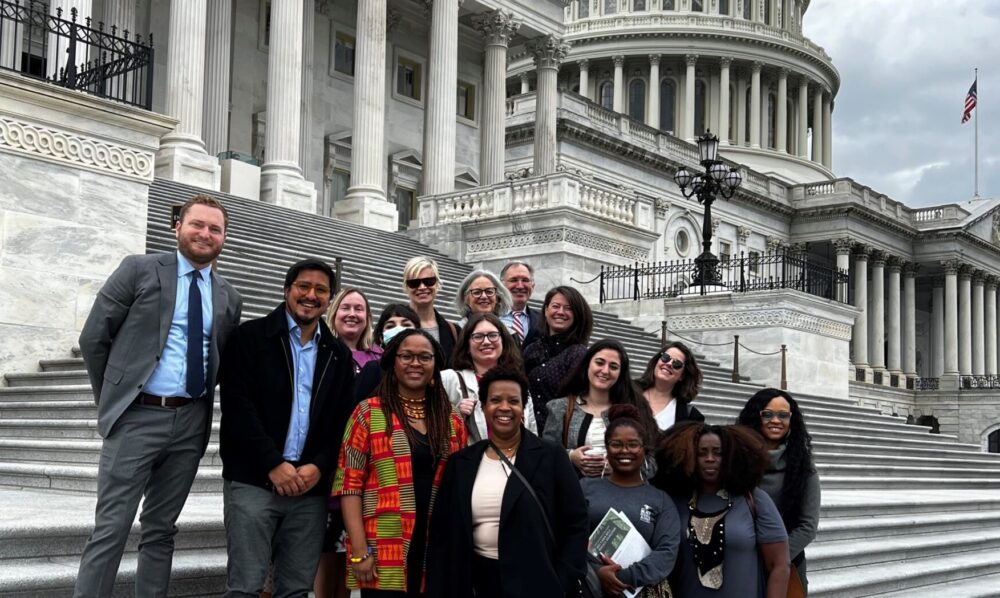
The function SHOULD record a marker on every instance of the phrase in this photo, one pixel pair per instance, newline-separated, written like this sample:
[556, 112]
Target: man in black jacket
[286, 394]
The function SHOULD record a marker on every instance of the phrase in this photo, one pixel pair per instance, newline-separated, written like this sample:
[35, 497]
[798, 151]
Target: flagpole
[976, 116]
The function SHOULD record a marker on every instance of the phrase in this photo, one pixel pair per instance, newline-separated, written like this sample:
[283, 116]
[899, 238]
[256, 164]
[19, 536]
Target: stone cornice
[861, 212]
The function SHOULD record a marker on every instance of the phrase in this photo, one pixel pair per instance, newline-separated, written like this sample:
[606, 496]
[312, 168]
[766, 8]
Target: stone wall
[968, 414]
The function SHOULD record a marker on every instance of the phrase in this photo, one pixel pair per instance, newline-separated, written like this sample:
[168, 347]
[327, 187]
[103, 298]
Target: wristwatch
[355, 560]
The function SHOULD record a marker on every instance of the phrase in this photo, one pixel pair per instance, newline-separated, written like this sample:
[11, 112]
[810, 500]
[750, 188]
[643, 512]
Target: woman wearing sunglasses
[421, 282]
[791, 479]
[482, 293]
[669, 385]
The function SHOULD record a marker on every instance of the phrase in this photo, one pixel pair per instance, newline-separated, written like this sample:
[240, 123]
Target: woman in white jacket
[484, 344]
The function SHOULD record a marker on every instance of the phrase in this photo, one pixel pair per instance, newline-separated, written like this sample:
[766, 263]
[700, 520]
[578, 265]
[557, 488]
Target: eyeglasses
[305, 287]
[677, 364]
[478, 337]
[767, 415]
[423, 358]
[617, 445]
[429, 282]
[477, 293]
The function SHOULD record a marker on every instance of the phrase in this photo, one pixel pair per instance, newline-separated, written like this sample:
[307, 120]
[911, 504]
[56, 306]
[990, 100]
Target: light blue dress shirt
[303, 368]
[169, 379]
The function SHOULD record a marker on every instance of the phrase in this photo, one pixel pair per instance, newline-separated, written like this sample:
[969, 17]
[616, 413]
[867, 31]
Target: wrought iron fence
[782, 269]
[971, 382]
[923, 383]
[75, 55]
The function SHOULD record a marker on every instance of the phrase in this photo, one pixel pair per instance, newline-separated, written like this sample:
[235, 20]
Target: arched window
[608, 95]
[637, 99]
[746, 134]
[610, 7]
[583, 9]
[700, 98]
[668, 102]
[697, 5]
[747, 10]
[993, 442]
[733, 114]
[638, 5]
[669, 5]
[724, 7]
[772, 120]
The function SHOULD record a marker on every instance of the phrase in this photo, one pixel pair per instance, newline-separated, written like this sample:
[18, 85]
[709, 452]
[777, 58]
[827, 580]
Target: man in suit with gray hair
[152, 344]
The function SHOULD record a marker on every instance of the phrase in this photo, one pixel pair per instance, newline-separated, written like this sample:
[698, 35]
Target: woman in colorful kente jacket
[395, 448]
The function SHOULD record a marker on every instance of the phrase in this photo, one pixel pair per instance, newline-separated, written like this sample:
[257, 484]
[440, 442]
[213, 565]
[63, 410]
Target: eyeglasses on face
[478, 337]
[677, 364]
[423, 358]
[617, 445]
[429, 282]
[477, 293]
[767, 415]
[305, 287]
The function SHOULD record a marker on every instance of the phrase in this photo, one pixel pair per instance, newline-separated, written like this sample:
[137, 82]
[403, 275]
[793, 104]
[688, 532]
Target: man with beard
[522, 321]
[152, 346]
[286, 393]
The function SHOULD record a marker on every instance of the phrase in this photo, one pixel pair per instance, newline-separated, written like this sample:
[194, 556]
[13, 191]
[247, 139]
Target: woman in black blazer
[484, 505]
[670, 384]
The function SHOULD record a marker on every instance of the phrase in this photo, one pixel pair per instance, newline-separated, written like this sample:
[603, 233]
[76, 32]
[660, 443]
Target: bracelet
[357, 560]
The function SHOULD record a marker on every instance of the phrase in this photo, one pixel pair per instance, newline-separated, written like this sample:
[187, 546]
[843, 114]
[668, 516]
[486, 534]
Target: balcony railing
[782, 269]
[60, 50]
[980, 382]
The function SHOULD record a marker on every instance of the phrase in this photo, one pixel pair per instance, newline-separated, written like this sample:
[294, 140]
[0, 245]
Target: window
[668, 97]
[754, 265]
[263, 24]
[767, 12]
[993, 442]
[747, 10]
[725, 252]
[746, 136]
[343, 53]
[733, 114]
[406, 206]
[408, 78]
[772, 120]
[682, 243]
[466, 100]
[669, 5]
[724, 7]
[341, 182]
[700, 97]
[583, 9]
[637, 99]
[610, 7]
[608, 95]
[638, 4]
[697, 5]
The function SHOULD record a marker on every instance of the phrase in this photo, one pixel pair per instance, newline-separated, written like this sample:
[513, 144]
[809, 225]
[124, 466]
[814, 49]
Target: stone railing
[950, 214]
[523, 196]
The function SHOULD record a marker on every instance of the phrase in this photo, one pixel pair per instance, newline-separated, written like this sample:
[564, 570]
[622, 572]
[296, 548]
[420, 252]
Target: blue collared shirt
[169, 379]
[303, 370]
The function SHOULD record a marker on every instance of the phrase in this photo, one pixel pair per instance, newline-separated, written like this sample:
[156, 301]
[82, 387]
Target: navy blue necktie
[196, 341]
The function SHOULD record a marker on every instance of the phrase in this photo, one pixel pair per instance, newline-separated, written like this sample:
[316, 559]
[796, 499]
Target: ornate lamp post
[716, 180]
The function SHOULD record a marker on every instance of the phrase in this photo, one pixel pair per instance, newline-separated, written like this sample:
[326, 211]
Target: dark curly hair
[625, 416]
[510, 357]
[501, 374]
[744, 459]
[687, 389]
[798, 451]
[392, 310]
[583, 318]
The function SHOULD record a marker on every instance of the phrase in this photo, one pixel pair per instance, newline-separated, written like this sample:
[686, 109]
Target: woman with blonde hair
[422, 282]
[350, 320]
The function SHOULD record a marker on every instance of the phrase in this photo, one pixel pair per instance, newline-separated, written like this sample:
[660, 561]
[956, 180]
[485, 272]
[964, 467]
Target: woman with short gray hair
[482, 292]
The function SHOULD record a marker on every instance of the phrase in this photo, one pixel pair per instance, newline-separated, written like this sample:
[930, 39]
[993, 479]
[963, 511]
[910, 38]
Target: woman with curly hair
[729, 527]
[670, 384]
[791, 479]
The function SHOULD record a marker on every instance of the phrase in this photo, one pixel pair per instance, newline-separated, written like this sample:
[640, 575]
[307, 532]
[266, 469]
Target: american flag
[970, 103]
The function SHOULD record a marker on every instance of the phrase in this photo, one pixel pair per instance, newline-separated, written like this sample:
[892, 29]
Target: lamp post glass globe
[683, 178]
[718, 171]
[708, 147]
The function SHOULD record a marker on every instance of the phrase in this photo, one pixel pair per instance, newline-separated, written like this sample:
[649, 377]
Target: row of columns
[964, 324]
[822, 139]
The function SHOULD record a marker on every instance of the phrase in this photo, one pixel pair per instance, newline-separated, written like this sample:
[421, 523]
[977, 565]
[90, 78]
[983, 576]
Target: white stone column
[218, 54]
[951, 360]
[525, 83]
[585, 78]
[307, 127]
[755, 104]
[876, 319]
[990, 325]
[978, 325]
[817, 144]
[893, 323]
[498, 27]
[937, 328]
[549, 52]
[781, 113]
[618, 99]
[828, 130]
[653, 105]
[842, 247]
[689, 82]
[12, 44]
[56, 51]
[119, 14]
[859, 337]
[724, 99]
[182, 155]
[803, 144]
[909, 320]
[365, 201]
[965, 320]
[439, 109]
[281, 180]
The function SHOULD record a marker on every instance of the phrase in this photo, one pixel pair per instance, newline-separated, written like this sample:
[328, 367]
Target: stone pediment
[984, 221]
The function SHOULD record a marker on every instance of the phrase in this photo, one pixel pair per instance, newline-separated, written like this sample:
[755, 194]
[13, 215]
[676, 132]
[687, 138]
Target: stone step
[68, 409]
[877, 479]
[908, 448]
[82, 478]
[83, 429]
[886, 470]
[826, 555]
[72, 392]
[983, 586]
[68, 364]
[933, 442]
[71, 452]
[987, 462]
[882, 502]
[730, 407]
[35, 379]
[858, 528]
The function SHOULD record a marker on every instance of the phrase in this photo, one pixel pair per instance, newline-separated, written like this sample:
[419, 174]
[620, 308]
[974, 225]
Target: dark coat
[686, 412]
[534, 326]
[257, 396]
[530, 564]
[548, 362]
[447, 337]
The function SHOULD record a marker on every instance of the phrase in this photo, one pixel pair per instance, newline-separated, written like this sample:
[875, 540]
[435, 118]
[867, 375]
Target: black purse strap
[527, 486]
[469, 420]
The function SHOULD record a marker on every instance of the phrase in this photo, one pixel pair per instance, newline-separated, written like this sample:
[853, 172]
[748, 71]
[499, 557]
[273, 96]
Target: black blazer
[534, 326]
[447, 337]
[685, 412]
[257, 394]
[530, 564]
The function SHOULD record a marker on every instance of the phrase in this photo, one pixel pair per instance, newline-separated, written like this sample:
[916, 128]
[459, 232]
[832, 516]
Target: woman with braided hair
[394, 452]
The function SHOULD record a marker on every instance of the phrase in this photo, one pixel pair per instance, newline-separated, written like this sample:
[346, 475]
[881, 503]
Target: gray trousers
[263, 528]
[152, 452]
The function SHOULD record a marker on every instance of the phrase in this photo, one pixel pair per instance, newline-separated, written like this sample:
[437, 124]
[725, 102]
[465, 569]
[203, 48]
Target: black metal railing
[971, 382]
[782, 269]
[923, 383]
[75, 55]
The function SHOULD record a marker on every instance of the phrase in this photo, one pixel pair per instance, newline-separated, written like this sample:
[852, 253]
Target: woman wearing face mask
[649, 509]
[395, 318]
[791, 479]
[669, 385]
[578, 420]
[731, 531]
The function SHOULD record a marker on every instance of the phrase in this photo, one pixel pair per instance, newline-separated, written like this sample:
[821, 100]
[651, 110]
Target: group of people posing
[414, 456]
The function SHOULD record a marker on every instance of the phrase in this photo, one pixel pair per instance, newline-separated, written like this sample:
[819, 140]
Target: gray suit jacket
[126, 331]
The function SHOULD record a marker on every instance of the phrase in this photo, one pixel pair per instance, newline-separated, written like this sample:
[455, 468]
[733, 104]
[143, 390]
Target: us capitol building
[544, 130]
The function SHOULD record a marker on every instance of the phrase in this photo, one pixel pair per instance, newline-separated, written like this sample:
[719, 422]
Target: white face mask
[388, 335]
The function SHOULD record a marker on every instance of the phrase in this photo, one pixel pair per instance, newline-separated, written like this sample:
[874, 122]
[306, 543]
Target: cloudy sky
[905, 67]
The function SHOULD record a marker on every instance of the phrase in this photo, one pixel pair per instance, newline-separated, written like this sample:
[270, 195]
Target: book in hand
[617, 539]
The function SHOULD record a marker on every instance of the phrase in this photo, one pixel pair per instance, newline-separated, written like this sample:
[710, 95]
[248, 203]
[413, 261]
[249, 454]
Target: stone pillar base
[900, 378]
[949, 382]
[367, 210]
[862, 373]
[240, 179]
[288, 190]
[188, 165]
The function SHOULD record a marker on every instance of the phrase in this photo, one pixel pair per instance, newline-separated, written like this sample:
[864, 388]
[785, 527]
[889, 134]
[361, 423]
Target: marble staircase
[905, 512]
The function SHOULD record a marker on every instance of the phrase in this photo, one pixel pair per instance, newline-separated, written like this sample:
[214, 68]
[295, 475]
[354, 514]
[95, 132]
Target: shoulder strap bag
[795, 589]
[531, 491]
[570, 404]
[469, 420]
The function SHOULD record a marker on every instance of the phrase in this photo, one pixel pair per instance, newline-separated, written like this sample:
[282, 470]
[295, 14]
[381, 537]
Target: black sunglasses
[677, 364]
[414, 283]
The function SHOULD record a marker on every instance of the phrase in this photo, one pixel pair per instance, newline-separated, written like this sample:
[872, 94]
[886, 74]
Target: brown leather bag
[795, 589]
[570, 404]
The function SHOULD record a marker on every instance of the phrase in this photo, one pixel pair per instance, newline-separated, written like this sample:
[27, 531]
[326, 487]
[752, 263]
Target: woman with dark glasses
[791, 480]
[670, 383]
[421, 282]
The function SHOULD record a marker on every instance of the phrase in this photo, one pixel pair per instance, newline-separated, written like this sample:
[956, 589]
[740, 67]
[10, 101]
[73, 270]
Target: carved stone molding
[549, 51]
[910, 269]
[75, 150]
[618, 60]
[951, 266]
[497, 26]
[556, 235]
[843, 245]
[786, 318]
[878, 257]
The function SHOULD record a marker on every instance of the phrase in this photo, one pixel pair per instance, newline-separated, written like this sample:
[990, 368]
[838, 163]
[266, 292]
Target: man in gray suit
[151, 345]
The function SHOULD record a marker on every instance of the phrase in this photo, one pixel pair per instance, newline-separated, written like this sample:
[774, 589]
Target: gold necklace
[414, 408]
